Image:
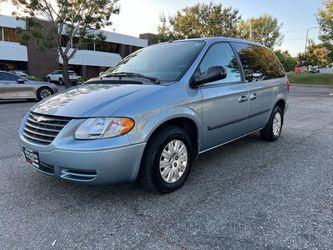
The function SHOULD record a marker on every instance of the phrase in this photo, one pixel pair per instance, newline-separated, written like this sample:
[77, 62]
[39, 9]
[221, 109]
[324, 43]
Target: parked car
[151, 115]
[313, 69]
[57, 77]
[20, 73]
[13, 86]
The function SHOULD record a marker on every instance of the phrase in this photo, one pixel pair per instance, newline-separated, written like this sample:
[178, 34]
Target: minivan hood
[93, 100]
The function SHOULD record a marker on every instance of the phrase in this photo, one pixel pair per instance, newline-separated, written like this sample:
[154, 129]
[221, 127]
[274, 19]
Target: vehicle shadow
[214, 171]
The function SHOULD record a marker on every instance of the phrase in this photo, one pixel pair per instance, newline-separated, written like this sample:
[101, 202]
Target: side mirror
[20, 80]
[212, 74]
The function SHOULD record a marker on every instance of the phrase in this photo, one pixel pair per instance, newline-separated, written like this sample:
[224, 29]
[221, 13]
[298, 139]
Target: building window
[87, 44]
[107, 47]
[1, 34]
[10, 35]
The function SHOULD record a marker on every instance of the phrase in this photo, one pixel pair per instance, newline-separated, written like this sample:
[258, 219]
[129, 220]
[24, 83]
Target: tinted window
[259, 63]
[221, 54]
[8, 77]
[166, 61]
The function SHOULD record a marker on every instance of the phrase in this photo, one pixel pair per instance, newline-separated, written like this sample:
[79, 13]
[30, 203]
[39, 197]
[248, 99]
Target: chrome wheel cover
[45, 93]
[277, 124]
[173, 161]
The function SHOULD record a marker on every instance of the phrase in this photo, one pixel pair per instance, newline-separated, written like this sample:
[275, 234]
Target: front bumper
[95, 162]
[93, 167]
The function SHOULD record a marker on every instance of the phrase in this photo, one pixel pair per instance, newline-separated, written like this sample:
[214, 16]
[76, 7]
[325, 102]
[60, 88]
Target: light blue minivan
[152, 114]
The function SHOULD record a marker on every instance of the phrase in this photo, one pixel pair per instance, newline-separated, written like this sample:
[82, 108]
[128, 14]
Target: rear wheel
[272, 131]
[167, 160]
[48, 79]
[43, 93]
[61, 82]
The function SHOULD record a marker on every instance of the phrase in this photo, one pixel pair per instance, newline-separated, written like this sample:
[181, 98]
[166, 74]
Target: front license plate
[31, 157]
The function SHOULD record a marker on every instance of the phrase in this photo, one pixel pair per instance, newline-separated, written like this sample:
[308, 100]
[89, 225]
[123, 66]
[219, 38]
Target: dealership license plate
[31, 157]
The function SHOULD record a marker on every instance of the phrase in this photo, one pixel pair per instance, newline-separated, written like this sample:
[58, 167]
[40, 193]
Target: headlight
[96, 128]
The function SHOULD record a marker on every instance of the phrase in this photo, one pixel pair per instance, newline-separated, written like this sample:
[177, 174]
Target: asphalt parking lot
[245, 195]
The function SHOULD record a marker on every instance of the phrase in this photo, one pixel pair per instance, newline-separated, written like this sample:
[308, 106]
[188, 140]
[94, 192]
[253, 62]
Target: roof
[211, 40]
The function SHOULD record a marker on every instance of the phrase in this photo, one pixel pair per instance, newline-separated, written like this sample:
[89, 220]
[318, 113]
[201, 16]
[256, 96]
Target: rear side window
[8, 77]
[259, 63]
[221, 54]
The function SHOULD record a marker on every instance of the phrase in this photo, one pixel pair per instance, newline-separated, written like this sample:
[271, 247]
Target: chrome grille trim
[44, 124]
[26, 129]
[36, 127]
[42, 129]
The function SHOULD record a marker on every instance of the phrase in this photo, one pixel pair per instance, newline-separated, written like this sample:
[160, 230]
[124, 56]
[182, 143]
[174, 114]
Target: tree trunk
[65, 73]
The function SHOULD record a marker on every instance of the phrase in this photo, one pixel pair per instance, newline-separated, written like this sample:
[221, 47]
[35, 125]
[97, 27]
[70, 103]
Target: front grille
[43, 129]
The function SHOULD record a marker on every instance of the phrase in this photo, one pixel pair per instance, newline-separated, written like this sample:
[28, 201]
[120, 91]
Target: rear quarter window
[259, 63]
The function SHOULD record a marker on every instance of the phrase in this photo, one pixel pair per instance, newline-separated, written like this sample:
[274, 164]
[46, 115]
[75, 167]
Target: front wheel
[272, 130]
[61, 82]
[167, 160]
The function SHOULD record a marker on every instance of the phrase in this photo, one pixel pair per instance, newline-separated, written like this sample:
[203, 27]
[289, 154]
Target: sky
[296, 16]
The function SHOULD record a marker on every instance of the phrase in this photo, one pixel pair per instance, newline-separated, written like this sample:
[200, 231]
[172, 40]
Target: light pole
[307, 37]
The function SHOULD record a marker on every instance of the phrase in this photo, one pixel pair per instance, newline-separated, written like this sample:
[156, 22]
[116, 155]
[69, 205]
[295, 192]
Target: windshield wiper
[130, 74]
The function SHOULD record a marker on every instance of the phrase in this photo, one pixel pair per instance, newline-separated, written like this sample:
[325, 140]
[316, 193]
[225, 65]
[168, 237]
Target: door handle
[253, 96]
[242, 98]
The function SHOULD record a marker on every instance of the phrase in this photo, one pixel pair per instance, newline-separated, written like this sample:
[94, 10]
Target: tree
[286, 59]
[316, 54]
[264, 29]
[325, 20]
[199, 20]
[73, 22]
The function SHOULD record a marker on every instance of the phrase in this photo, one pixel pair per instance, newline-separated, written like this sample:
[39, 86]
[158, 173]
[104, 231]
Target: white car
[56, 76]
[313, 69]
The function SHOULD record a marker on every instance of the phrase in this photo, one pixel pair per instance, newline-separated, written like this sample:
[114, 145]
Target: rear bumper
[92, 167]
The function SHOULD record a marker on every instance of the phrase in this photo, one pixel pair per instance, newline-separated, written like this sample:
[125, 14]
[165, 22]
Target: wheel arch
[186, 119]
[43, 87]
[281, 103]
[185, 123]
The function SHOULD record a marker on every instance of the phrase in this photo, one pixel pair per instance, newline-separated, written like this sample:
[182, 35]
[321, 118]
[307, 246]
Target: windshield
[166, 61]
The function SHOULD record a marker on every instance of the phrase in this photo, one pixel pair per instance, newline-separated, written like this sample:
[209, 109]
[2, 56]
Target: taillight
[288, 85]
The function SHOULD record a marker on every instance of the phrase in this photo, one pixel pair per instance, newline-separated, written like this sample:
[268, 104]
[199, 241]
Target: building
[150, 37]
[87, 62]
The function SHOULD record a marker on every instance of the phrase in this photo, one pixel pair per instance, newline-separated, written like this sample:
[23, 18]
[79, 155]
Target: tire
[48, 79]
[43, 93]
[151, 176]
[61, 82]
[271, 132]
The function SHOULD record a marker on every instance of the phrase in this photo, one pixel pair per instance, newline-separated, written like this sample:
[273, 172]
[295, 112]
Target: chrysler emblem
[40, 118]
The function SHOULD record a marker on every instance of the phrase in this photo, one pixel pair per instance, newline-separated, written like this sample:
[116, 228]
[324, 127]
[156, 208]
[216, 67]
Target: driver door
[225, 102]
